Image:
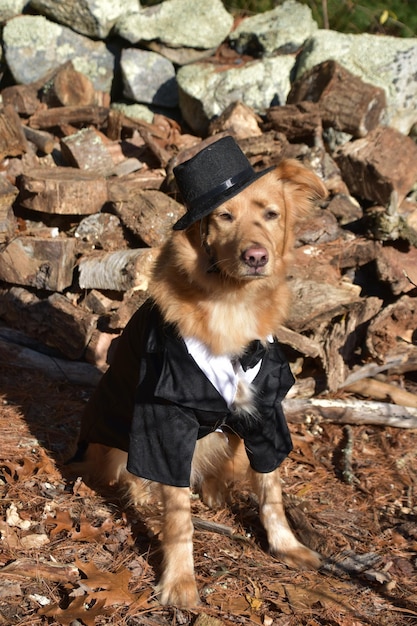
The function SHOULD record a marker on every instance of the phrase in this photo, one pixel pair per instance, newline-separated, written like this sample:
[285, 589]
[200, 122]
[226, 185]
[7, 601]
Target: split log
[100, 231]
[345, 208]
[367, 166]
[346, 103]
[298, 122]
[8, 193]
[54, 321]
[8, 225]
[117, 271]
[394, 364]
[12, 138]
[87, 151]
[395, 326]
[300, 343]
[315, 303]
[45, 142]
[316, 410]
[122, 188]
[40, 262]
[75, 373]
[128, 166]
[70, 88]
[23, 98]
[63, 191]
[58, 116]
[334, 316]
[321, 227]
[155, 139]
[267, 150]
[149, 215]
[397, 268]
[378, 390]
[342, 337]
[239, 120]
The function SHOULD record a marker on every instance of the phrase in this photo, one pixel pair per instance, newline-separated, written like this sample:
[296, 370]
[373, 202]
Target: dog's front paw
[180, 592]
[300, 558]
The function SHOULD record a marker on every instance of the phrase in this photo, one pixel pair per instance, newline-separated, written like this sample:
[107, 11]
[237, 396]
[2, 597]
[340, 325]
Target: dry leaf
[302, 597]
[107, 587]
[62, 521]
[77, 610]
[88, 532]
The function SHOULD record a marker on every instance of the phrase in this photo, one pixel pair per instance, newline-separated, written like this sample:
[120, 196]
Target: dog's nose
[256, 256]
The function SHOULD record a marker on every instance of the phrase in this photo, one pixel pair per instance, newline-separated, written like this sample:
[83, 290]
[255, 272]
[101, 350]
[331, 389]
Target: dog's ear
[302, 186]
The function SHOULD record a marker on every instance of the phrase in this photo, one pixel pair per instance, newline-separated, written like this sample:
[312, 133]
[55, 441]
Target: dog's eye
[225, 216]
[271, 214]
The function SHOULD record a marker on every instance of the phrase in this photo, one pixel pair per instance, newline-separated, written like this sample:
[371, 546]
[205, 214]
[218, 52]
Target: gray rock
[33, 46]
[204, 92]
[135, 111]
[387, 62]
[148, 77]
[283, 29]
[11, 8]
[178, 23]
[94, 18]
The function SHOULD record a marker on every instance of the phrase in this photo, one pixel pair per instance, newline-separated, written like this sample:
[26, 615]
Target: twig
[347, 453]
[220, 529]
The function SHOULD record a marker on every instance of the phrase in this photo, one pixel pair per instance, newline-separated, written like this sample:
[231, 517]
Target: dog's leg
[281, 539]
[177, 585]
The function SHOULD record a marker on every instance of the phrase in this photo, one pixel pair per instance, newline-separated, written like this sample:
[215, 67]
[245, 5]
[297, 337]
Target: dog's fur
[222, 281]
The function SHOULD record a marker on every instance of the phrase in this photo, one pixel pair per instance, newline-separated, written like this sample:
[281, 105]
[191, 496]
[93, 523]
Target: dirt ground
[68, 556]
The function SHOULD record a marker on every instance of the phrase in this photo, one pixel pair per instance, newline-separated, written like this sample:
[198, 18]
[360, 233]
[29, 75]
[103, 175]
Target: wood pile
[87, 198]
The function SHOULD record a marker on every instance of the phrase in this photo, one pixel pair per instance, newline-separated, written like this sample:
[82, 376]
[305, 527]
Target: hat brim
[194, 216]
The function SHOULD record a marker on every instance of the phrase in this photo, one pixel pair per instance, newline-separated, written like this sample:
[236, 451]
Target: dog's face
[249, 237]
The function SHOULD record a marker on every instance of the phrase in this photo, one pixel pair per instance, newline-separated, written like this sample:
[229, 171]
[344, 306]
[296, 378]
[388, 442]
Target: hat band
[229, 183]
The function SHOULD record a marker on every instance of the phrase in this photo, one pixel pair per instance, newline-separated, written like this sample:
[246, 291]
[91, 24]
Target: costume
[155, 402]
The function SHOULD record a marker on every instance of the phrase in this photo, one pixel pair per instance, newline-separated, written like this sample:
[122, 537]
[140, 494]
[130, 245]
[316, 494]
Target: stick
[350, 411]
[377, 390]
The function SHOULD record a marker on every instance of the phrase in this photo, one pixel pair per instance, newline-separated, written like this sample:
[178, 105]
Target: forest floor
[69, 556]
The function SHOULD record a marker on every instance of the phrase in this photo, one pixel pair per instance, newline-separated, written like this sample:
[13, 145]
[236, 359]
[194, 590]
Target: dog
[192, 398]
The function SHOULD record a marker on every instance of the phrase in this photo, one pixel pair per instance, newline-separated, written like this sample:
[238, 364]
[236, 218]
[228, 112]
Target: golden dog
[222, 282]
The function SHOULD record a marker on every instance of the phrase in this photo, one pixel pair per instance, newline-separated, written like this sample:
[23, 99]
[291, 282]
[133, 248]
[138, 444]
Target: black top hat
[214, 175]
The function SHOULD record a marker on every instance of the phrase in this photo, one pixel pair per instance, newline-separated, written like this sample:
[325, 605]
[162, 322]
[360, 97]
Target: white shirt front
[223, 373]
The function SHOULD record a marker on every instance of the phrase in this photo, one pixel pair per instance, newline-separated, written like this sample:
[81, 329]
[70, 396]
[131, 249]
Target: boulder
[387, 62]
[33, 46]
[93, 18]
[178, 23]
[11, 8]
[205, 92]
[148, 78]
[283, 30]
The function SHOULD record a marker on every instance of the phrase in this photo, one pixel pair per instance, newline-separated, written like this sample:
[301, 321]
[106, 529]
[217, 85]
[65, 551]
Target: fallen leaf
[62, 521]
[108, 587]
[302, 597]
[88, 532]
[79, 609]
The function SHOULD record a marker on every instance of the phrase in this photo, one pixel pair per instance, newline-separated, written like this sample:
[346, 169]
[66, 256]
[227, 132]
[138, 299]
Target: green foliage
[392, 17]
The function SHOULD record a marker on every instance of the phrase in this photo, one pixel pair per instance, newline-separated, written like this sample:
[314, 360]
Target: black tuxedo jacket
[154, 402]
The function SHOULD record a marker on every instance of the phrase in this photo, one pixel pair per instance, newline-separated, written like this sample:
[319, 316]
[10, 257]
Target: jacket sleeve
[108, 414]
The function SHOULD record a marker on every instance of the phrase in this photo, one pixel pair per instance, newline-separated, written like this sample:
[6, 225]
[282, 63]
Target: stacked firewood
[87, 198]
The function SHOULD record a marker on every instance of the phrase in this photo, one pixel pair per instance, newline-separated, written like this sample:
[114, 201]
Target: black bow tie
[252, 355]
